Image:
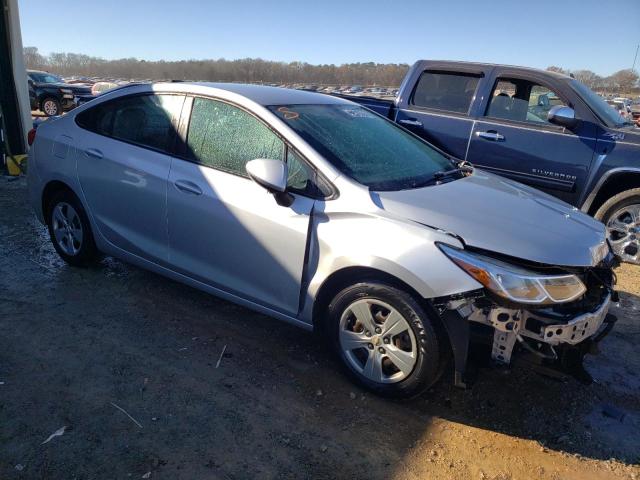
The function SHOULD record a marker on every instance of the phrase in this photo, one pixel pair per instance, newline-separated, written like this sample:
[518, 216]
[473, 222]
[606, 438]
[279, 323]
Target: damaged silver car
[316, 211]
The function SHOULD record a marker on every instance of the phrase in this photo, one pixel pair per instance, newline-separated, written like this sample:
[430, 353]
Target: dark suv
[52, 96]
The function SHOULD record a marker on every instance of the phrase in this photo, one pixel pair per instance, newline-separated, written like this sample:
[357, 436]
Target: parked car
[314, 210]
[540, 128]
[52, 96]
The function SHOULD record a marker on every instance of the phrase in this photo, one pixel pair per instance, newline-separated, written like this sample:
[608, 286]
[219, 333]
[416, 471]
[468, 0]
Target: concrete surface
[76, 342]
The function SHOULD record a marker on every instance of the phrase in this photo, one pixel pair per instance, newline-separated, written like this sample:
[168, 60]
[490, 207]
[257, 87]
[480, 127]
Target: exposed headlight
[515, 283]
[65, 90]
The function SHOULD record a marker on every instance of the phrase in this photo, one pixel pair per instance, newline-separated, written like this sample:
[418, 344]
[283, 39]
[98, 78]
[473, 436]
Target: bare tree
[624, 80]
[553, 68]
[589, 78]
[241, 70]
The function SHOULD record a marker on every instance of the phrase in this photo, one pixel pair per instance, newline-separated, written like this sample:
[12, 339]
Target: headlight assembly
[515, 283]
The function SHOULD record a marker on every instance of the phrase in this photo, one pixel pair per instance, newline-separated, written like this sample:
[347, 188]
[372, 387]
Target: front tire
[621, 215]
[385, 339]
[70, 230]
[51, 107]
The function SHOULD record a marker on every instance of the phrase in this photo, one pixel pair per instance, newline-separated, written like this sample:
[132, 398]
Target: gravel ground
[77, 344]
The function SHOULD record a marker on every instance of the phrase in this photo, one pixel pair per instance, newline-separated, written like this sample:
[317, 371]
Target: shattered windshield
[365, 146]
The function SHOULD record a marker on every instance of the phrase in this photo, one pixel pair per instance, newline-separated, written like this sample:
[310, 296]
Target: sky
[592, 34]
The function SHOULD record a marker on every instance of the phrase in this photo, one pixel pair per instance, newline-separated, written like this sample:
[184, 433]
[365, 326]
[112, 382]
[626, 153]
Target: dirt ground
[76, 343]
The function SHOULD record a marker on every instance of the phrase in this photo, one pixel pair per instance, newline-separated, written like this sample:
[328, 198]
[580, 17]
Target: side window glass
[299, 175]
[522, 101]
[146, 120]
[452, 92]
[224, 137]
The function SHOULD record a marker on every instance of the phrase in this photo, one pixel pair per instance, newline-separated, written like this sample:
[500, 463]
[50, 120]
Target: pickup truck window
[522, 101]
[365, 146]
[451, 92]
[610, 116]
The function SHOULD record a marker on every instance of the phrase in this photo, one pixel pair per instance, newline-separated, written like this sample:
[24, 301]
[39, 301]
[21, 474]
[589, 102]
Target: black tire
[613, 205]
[427, 369]
[87, 252]
[51, 107]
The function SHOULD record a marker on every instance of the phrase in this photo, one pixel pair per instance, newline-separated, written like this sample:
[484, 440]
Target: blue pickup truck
[540, 128]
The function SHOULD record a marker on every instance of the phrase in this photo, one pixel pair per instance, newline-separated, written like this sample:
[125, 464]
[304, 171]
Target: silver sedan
[316, 211]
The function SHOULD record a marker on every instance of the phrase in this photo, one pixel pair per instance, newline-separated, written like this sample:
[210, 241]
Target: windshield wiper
[463, 168]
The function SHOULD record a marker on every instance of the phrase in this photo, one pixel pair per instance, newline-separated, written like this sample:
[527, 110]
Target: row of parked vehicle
[402, 236]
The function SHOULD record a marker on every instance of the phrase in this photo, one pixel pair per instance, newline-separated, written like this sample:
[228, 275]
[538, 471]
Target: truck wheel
[51, 107]
[385, 339]
[621, 215]
[70, 230]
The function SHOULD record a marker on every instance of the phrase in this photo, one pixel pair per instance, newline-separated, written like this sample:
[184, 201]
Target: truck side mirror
[562, 116]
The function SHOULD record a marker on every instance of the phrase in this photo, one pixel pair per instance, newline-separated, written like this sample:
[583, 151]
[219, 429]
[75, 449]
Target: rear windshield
[365, 146]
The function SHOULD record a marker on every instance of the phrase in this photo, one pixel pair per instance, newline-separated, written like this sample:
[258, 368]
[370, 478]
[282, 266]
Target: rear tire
[70, 230]
[51, 107]
[621, 216]
[385, 339]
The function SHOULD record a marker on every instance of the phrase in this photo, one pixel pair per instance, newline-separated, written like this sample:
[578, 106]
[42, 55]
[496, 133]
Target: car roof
[260, 94]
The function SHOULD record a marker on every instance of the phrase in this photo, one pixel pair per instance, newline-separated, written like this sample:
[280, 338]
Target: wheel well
[614, 185]
[50, 190]
[349, 276]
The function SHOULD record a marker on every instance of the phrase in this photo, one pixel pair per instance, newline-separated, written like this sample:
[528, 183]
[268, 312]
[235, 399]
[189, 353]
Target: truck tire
[51, 107]
[621, 215]
[386, 341]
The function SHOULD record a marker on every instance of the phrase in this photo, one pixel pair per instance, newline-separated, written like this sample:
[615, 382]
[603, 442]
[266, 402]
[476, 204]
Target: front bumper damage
[552, 340]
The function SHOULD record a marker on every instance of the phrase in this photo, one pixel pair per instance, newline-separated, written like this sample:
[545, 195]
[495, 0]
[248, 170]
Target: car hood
[495, 214]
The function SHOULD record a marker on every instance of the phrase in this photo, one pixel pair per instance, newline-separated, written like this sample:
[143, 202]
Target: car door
[438, 109]
[513, 138]
[123, 167]
[224, 229]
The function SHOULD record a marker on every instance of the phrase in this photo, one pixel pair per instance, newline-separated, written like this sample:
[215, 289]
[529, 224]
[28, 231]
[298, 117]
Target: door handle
[411, 121]
[491, 135]
[93, 152]
[186, 186]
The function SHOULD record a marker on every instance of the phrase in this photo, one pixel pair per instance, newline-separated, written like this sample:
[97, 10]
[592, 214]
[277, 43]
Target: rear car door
[224, 229]
[438, 108]
[123, 167]
[513, 138]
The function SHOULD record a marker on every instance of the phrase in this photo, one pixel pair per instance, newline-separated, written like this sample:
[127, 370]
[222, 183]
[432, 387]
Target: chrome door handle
[491, 135]
[93, 152]
[186, 186]
[412, 122]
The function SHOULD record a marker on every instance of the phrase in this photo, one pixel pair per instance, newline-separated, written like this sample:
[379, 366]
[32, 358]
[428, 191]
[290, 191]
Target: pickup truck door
[438, 109]
[224, 229]
[513, 138]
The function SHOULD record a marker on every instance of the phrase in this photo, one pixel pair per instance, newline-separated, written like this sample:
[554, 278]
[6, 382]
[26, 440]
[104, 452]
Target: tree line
[221, 70]
[259, 70]
[621, 81]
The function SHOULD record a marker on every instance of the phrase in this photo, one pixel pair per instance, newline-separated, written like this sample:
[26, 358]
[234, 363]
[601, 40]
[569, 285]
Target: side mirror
[563, 116]
[271, 175]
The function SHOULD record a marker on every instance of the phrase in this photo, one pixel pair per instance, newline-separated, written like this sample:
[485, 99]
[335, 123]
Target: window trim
[507, 121]
[411, 102]
[171, 147]
[183, 129]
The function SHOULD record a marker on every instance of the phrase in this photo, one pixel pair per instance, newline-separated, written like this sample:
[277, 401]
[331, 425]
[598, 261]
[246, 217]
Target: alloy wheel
[623, 230]
[378, 341]
[50, 108]
[67, 228]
